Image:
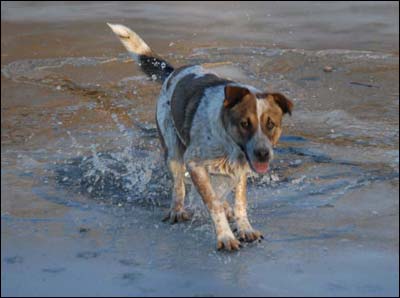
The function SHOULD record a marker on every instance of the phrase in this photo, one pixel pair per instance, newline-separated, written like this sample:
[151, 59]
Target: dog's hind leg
[176, 167]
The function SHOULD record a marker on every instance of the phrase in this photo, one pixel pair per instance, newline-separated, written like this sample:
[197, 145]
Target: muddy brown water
[84, 188]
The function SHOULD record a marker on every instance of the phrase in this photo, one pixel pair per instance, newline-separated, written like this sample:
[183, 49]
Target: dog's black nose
[262, 154]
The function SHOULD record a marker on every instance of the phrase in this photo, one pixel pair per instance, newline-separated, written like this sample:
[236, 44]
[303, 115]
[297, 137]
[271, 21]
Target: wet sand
[83, 186]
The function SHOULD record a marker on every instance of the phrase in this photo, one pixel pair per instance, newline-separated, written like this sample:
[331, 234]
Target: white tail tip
[132, 42]
[120, 30]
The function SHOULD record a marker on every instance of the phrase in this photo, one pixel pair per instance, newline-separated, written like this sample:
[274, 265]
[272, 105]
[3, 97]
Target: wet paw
[250, 235]
[177, 216]
[228, 244]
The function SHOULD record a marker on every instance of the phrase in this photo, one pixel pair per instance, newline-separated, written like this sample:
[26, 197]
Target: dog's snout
[262, 154]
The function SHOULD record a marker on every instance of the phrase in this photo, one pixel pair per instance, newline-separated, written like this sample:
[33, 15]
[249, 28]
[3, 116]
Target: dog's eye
[270, 124]
[245, 123]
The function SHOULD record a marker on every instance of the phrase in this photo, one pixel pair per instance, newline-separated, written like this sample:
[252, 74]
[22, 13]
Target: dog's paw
[250, 235]
[177, 216]
[228, 243]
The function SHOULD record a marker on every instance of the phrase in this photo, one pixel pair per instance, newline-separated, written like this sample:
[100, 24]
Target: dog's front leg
[201, 180]
[246, 231]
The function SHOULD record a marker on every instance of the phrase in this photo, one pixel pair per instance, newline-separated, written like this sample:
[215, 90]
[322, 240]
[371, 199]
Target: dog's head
[254, 120]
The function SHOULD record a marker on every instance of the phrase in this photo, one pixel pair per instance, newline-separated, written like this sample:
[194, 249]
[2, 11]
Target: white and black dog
[209, 124]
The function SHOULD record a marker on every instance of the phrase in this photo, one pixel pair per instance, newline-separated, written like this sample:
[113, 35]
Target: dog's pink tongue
[261, 167]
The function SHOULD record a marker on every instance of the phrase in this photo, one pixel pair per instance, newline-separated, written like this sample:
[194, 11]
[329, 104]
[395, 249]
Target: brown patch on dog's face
[271, 124]
[271, 116]
[239, 115]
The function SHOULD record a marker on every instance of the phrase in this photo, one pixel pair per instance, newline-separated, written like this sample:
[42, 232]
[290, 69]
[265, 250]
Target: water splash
[133, 170]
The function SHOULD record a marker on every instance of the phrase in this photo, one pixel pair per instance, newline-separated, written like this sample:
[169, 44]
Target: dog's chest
[226, 166]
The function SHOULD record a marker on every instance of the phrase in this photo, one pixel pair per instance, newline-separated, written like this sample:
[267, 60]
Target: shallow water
[84, 186]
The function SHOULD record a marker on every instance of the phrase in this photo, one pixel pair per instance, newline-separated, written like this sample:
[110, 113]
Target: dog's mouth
[260, 167]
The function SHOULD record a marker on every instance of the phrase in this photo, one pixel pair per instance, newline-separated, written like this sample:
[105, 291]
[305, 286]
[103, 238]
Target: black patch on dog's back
[175, 73]
[186, 99]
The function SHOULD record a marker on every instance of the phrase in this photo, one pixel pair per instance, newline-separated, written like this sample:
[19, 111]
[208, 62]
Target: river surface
[83, 181]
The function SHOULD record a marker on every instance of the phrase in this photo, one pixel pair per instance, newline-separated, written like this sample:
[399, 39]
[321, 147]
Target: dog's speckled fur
[208, 125]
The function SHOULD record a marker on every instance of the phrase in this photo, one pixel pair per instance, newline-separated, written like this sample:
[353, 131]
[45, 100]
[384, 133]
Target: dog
[210, 125]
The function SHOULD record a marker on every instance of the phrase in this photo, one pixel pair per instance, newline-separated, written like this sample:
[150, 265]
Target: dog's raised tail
[151, 64]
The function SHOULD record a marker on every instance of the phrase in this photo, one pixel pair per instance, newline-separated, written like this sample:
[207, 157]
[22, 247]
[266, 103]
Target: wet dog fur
[211, 125]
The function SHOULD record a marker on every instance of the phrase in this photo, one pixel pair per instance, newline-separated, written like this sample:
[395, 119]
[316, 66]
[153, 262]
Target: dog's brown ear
[233, 95]
[283, 102]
